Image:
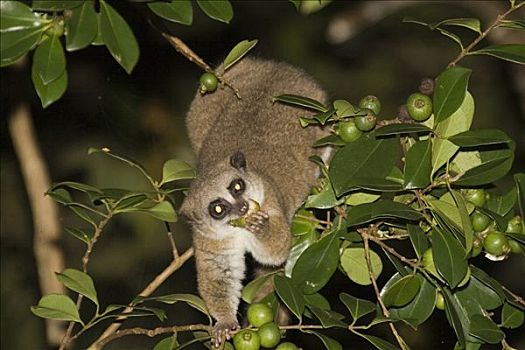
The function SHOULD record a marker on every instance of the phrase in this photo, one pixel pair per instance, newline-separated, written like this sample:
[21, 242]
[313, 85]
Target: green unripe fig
[515, 247]
[479, 221]
[259, 314]
[348, 131]
[372, 103]
[419, 106]
[366, 122]
[476, 197]
[496, 243]
[247, 339]
[208, 83]
[287, 346]
[270, 335]
[440, 301]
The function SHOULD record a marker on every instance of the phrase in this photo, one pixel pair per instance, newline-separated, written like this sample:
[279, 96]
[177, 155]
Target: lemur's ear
[238, 161]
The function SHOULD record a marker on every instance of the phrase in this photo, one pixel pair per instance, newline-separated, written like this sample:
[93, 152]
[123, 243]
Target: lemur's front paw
[256, 222]
[222, 331]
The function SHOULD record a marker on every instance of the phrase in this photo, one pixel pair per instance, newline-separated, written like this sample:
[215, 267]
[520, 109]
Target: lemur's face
[221, 195]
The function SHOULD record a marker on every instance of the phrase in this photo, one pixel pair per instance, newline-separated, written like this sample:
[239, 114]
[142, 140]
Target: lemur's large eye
[219, 208]
[237, 187]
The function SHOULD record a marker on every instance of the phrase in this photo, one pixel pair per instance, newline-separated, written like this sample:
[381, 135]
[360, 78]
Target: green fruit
[208, 82]
[247, 339]
[371, 102]
[287, 346]
[259, 314]
[496, 243]
[476, 196]
[515, 247]
[440, 301]
[348, 131]
[270, 335]
[419, 106]
[514, 225]
[479, 221]
[366, 122]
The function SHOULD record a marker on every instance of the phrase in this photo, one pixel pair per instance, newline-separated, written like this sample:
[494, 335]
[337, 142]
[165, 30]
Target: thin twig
[516, 297]
[174, 249]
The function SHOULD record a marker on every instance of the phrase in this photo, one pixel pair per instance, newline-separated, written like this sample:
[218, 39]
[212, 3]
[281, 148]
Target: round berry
[479, 221]
[370, 102]
[476, 197]
[366, 122]
[270, 335]
[419, 106]
[348, 131]
[440, 301]
[259, 314]
[208, 83]
[496, 243]
[515, 247]
[287, 346]
[247, 339]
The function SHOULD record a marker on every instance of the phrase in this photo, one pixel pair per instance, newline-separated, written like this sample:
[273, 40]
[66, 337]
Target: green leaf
[382, 209]
[354, 264]
[329, 343]
[318, 262]
[288, 293]
[482, 137]
[512, 24]
[470, 23]
[452, 36]
[190, 299]
[420, 308]
[81, 26]
[238, 52]
[509, 52]
[503, 204]
[178, 11]
[301, 243]
[395, 129]
[55, 5]
[519, 180]
[296, 3]
[323, 117]
[57, 307]
[249, 292]
[79, 282]
[449, 92]
[80, 234]
[49, 61]
[302, 101]
[486, 297]
[118, 37]
[418, 165]
[511, 317]
[361, 162]
[488, 281]
[175, 169]
[449, 257]
[325, 199]
[356, 198]
[357, 307]
[454, 313]
[501, 222]
[220, 10]
[328, 141]
[328, 318]
[459, 121]
[343, 108]
[16, 16]
[51, 92]
[169, 343]
[163, 211]
[418, 239]
[485, 329]
[130, 202]
[465, 223]
[79, 187]
[400, 292]
[377, 342]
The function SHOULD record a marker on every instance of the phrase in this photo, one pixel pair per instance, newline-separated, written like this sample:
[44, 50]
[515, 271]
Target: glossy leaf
[356, 198]
[449, 257]
[82, 26]
[385, 209]
[354, 264]
[329, 343]
[420, 308]
[79, 282]
[477, 291]
[377, 342]
[485, 329]
[418, 239]
[79, 187]
[325, 199]
[163, 211]
[178, 11]
[361, 162]
[318, 301]
[400, 292]
[220, 10]
[288, 293]
[318, 262]
[249, 292]
[57, 307]
[512, 24]
[357, 307]
[511, 317]
[452, 36]
[323, 117]
[175, 169]
[329, 140]
[465, 224]
[301, 243]
[519, 180]
[169, 343]
[454, 313]
[55, 5]
[503, 204]
[343, 108]
[418, 165]
[509, 52]
[301, 101]
[328, 318]
[51, 92]
[449, 92]
[16, 16]
[118, 37]
[130, 202]
[501, 222]
[190, 299]
[83, 235]
[481, 137]
[238, 52]
[488, 281]
[49, 61]
[395, 129]
[470, 23]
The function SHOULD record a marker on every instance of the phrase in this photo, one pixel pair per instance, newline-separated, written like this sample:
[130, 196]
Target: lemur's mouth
[246, 209]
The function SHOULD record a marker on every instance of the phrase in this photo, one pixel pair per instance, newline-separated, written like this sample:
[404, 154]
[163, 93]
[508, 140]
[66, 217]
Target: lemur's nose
[243, 207]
